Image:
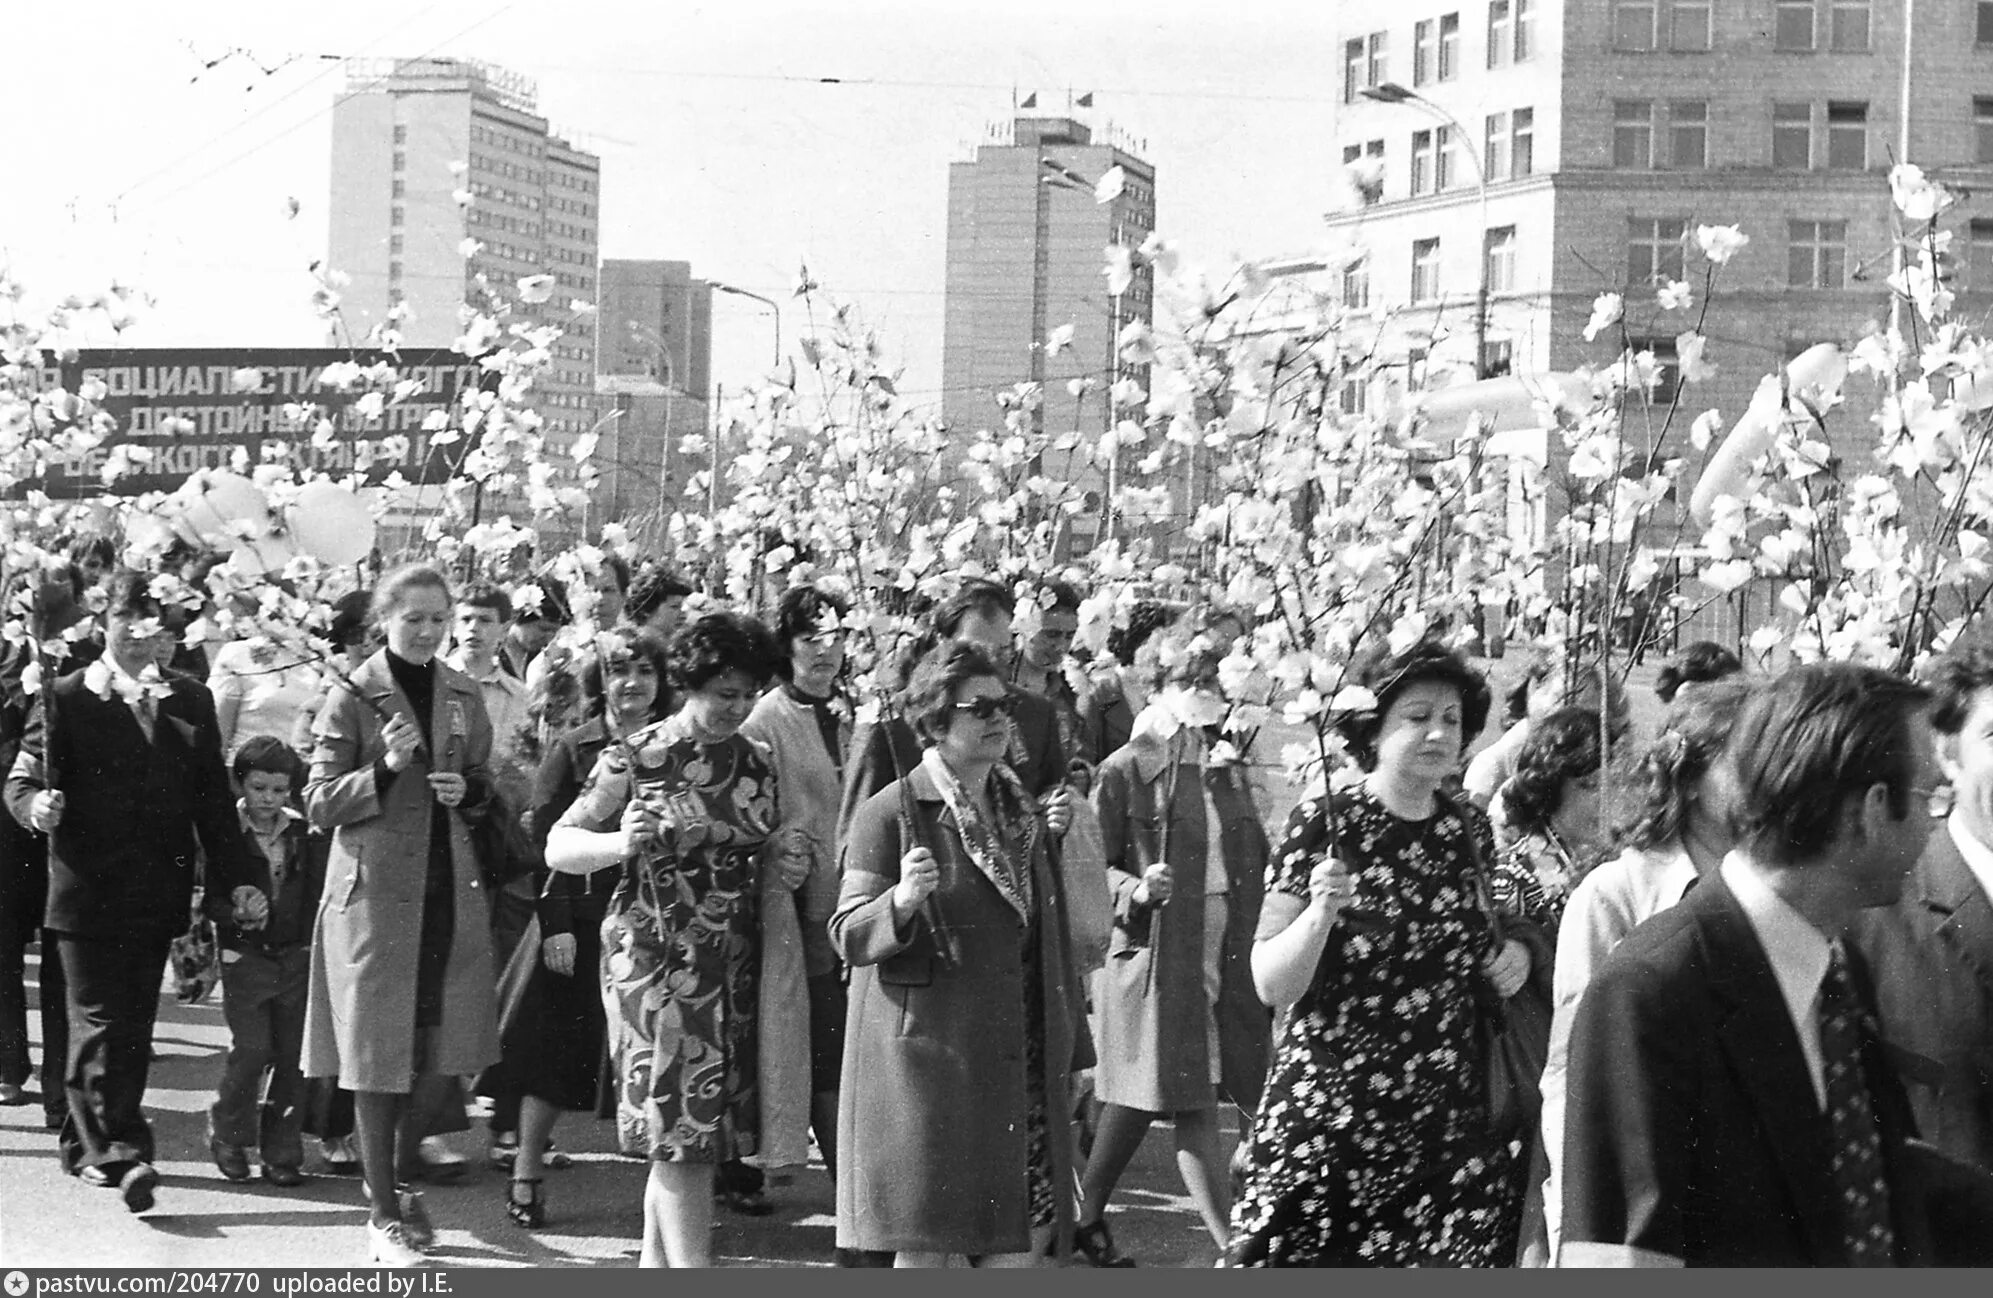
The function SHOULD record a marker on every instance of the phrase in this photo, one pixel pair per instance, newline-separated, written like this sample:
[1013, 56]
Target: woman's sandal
[531, 1214]
[1095, 1245]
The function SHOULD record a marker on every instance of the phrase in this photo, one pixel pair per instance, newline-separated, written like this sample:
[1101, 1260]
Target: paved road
[50, 1220]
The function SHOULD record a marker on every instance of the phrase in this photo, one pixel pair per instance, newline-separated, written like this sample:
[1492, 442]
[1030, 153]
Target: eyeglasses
[1939, 801]
[990, 706]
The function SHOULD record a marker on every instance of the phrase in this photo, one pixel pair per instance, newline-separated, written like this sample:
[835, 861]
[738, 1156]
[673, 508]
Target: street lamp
[1390, 92]
[767, 302]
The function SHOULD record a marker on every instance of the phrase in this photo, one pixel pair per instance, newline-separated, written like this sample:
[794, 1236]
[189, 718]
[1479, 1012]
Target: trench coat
[931, 1124]
[1153, 1051]
[360, 1017]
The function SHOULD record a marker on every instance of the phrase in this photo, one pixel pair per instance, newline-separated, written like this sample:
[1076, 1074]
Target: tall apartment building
[407, 136]
[1608, 130]
[1026, 244]
[655, 360]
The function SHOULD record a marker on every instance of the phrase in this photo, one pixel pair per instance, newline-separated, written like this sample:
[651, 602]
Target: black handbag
[1514, 1033]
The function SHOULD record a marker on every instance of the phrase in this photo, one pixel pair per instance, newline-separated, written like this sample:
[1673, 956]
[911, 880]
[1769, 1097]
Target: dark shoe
[748, 1203]
[283, 1176]
[11, 1094]
[232, 1160]
[415, 1220]
[52, 1121]
[532, 1214]
[1097, 1246]
[136, 1187]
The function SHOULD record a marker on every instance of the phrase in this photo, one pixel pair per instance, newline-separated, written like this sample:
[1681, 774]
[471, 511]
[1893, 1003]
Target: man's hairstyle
[645, 645]
[1669, 775]
[649, 589]
[1809, 741]
[1562, 747]
[801, 611]
[1956, 679]
[977, 595]
[716, 644]
[131, 595]
[1700, 663]
[485, 595]
[928, 701]
[1388, 675]
[92, 545]
[269, 754]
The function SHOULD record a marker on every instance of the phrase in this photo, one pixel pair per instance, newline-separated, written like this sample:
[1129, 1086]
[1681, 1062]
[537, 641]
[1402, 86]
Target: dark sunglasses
[984, 709]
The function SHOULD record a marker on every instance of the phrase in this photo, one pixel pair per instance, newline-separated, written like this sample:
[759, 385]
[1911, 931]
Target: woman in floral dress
[1372, 1145]
[691, 807]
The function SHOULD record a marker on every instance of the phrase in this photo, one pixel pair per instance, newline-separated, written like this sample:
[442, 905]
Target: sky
[160, 146]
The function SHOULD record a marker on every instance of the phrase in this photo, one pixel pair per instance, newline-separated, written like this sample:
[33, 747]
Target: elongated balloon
[1730, 467]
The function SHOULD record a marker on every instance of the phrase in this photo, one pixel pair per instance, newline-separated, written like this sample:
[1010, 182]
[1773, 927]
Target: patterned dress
[680, 957]
[1371, 1147]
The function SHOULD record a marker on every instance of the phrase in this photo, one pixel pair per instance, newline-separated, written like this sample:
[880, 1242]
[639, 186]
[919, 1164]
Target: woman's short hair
[928, 701]
[652, 586]
[93, 545]
[1387, 675]
[645, 645]
[1562, 747]
[715, 644]
[1147, 617]
[1700, 663]
[801, 612]
[397, 586]
[1669, 774]
[1956, 679]
[1810, 740]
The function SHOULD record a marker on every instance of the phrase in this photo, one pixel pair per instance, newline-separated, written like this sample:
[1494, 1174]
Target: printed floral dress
[680, 943]
[1371, 1147]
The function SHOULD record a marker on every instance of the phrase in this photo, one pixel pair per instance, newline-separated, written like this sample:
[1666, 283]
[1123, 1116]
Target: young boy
[266, 969]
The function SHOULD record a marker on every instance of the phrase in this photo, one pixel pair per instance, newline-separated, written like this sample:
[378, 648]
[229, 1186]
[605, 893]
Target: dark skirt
[552, 1027]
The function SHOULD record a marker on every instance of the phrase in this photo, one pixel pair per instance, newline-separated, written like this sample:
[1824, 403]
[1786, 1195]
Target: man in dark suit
[1729, 1102]
[1931, 953]
[126, 779]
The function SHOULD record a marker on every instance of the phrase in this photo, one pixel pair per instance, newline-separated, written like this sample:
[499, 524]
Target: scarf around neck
[1002, 850]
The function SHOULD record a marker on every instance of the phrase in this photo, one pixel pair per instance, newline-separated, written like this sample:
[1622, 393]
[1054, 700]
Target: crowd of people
[974, 946]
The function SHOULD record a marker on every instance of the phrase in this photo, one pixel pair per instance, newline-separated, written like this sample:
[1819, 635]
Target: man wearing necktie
[129, 785]
[1729, 1102]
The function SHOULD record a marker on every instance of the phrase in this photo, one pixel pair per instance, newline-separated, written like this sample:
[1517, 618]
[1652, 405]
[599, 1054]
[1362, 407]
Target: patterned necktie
[148, 715]
[1864, 1193]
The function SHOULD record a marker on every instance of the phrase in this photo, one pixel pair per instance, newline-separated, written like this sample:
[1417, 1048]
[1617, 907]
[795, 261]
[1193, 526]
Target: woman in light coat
[402, 986]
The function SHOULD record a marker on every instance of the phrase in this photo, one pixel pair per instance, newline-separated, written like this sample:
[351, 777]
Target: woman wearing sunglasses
[961, 1034]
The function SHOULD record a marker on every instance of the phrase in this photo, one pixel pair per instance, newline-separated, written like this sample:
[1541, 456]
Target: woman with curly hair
[1699, 664]
[1372, 1146]
[687, 807]
[1551, 805]
[1679, 833]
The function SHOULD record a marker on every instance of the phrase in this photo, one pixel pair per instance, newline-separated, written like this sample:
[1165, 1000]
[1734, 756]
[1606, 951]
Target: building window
[394, 270]
[1984, 24]
[1525, 141]
[1449, 46]
[1982, 130]
[1444, 171]
[1688, 134]
[1633, 24]
[1847, 27]
[1525, 30]
[1979, 256]
[1355, 396]
[1632, 134]
[1495, 160]
[1847, 137]
[1501, 259]
[1792, 136]
[400, 160]
[1816, 254]
[1425, 270]
[1422, 162]
[1375, 70]
[1688, 25]
[1792, 25]
[397, 215]
[1352, 153]
[1356, 286]
[1654, 249]
[394, 244]
[1500, 33]
[400, 190]
[1352, 78]
[401, 135]
[1422, 52]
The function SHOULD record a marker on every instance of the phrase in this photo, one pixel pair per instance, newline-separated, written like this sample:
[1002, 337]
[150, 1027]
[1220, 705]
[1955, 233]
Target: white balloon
[1821, 366]
[1731, 465]
[331, 524]
[264, 554]
[211, 512]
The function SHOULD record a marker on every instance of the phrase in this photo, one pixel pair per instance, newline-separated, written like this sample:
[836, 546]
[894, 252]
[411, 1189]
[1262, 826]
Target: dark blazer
[1038, 756]
[1691, 1128]
[293, 903]
[1931, 956]
[136, 815]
